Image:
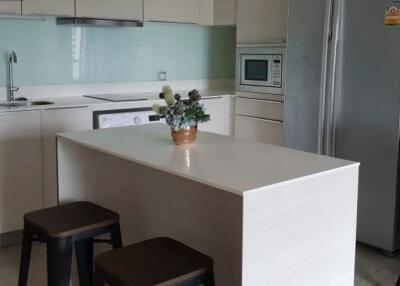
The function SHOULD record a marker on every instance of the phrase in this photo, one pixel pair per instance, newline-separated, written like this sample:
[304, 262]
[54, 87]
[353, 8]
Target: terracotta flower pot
[184, 136]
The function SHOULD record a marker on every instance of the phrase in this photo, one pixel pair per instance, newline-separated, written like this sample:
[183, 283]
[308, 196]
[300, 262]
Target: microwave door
[256, 70]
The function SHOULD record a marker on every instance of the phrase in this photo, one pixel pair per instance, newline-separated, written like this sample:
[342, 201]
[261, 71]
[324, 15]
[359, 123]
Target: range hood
[79, 21]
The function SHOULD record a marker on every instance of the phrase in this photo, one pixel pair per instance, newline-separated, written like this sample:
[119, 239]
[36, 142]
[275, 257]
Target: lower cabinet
[260, 130]
[20, 168]
[56, 121]
[259, 120]
[220, 110]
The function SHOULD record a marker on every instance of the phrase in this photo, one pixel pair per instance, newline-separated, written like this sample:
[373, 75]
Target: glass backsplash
[49, 54]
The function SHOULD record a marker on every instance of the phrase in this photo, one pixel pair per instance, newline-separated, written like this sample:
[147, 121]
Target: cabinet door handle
[260, 100]
[171, 22]
[261, 119]
[210, 98]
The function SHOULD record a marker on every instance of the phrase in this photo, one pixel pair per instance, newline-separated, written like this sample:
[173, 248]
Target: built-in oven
[124, 117]
[260, 69]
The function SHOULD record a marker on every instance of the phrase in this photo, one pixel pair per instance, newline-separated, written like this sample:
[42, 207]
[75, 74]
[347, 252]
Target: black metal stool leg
[84, 256]
[25, 257]
[115, 234]
[209, 280]
[59, 258]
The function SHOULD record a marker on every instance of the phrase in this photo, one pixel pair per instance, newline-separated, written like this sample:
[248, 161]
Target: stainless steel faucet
[11, 89]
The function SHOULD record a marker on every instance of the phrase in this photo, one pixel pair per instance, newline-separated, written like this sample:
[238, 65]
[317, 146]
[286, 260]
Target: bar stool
[60, 228]
[159, 261]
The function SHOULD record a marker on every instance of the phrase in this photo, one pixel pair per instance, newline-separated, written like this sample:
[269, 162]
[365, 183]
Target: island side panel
[77, 172]
[302, 232]
[154, 203]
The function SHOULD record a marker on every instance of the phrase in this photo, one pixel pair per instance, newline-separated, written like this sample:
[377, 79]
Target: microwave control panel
[276, 78]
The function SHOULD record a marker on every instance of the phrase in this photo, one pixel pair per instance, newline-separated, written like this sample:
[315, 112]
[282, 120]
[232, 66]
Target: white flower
[157, 108]
[168, 95]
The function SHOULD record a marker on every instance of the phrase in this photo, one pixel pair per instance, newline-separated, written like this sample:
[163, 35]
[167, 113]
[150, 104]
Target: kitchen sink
[24, 103]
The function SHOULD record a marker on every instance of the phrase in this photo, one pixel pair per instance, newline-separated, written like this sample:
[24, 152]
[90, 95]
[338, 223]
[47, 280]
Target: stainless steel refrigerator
[343, 99]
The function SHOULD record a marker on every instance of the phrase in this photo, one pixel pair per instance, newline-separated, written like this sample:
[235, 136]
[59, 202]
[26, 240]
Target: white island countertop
[223, 162]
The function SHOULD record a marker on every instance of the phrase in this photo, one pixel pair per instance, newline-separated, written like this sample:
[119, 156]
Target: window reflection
[78, 56]
[187, 158]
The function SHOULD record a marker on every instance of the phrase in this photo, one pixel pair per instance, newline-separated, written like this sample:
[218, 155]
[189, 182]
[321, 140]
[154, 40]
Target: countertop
[227, 163]
[76, 101]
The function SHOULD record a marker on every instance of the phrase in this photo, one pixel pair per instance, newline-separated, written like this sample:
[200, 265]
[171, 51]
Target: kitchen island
[266, 215]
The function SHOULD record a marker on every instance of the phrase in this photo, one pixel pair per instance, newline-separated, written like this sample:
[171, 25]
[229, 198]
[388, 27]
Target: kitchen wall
[61, 55]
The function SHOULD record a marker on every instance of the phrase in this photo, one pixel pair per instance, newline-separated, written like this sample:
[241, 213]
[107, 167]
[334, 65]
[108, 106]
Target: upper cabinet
[262, 20]
[203, 12]
[10, 7]
[179, 11]
[106, 9]
[48, 7]
[224, 12]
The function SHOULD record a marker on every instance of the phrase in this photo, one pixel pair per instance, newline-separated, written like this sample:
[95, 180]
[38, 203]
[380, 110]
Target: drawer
[259, 108]
[260, 130]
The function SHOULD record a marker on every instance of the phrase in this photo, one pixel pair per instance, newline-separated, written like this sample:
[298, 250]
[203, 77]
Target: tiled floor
[372, 267]
[9, 264]
[375, 269]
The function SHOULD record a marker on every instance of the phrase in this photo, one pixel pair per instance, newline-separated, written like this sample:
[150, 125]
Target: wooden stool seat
[159, 261]
[70, 219]
[61, 228]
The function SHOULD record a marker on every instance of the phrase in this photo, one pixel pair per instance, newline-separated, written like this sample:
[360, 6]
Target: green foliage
[197, 113]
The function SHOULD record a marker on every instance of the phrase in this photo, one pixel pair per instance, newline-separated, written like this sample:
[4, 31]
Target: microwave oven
[260, 69]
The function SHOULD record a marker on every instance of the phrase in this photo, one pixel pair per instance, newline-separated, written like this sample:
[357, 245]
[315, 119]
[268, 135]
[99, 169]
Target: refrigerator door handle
[331, 16]
[324, 77]
[334, 97]
[333, 78]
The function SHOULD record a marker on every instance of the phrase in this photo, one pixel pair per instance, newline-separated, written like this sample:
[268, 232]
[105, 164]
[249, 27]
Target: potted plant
[182, 115]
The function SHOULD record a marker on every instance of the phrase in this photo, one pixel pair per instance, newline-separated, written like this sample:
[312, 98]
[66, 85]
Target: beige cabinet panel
[10, 7]
[260, 130]
[221, 116]
[224, 12]
[48, 7]
[266, 109]
[206, 12]
[20, 168]
[53, 122]
[116, 9]
[262, 20]
[180, 11]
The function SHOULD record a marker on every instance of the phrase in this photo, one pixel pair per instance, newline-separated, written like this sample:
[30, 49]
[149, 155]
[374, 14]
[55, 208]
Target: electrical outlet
[162, 76]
